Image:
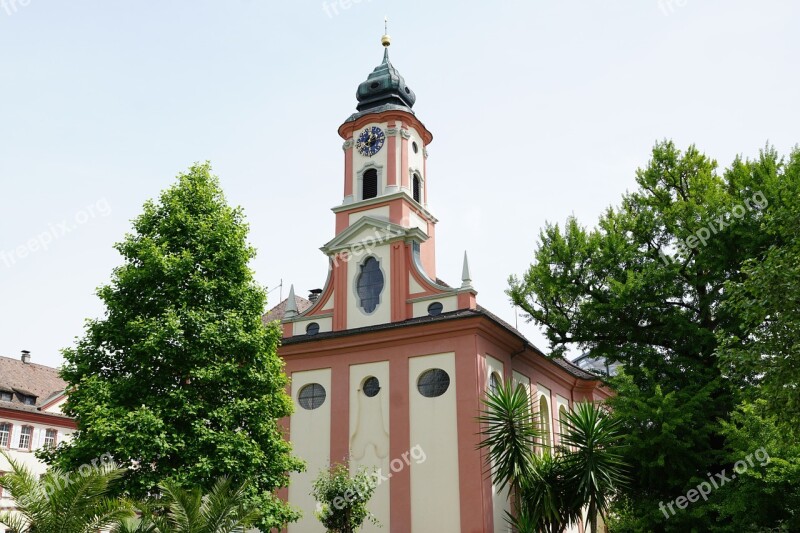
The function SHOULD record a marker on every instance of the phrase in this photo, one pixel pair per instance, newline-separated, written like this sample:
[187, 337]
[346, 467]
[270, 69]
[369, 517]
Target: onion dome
[384, 88]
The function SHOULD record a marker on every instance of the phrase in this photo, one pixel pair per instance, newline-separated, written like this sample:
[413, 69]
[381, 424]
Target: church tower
[382, 258]
[388, 363]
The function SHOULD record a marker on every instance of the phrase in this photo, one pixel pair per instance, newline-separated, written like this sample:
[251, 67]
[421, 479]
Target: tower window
[312, 396]
[370, 284]
[414, 147]
[369, 184]
[417, 186]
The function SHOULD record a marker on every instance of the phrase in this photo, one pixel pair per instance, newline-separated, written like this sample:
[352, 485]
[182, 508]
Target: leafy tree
[551, 490]
[225, 509]
[648, 287]
[67, 502]
[765, 352]
[766, 494]
[180, 381]
[343, 498]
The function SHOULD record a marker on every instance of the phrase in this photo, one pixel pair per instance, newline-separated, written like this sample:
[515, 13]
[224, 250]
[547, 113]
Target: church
[388, 363]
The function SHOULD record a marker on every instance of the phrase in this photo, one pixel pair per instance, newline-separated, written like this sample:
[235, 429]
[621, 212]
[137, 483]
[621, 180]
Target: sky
[540, 110]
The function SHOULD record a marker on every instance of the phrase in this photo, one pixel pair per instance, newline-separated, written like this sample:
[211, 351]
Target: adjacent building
[31, 396]
[388, 362]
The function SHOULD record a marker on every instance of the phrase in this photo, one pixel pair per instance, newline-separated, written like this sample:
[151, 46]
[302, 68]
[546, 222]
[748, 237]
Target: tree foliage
[180, 380]
[681, 284]
[343, 498]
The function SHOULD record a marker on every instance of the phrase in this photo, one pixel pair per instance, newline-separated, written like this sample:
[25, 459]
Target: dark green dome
[384, 89]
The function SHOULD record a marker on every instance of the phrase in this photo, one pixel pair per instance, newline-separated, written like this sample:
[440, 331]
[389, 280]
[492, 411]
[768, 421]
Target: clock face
[370, 141]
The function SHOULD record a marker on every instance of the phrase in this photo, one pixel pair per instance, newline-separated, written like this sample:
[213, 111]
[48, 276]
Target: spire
[291, 304]
[466, 280]
[385, 39]
[384, 88]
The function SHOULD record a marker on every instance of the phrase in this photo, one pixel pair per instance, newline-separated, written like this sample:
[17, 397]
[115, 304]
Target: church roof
[572, 369]
[277, 312]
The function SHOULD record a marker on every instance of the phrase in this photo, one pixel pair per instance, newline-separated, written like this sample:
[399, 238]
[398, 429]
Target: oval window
[312, 329]
[435, 309]
[433, 383]
[311, 396]
[370, 284]
[414, 147]
[371, 387]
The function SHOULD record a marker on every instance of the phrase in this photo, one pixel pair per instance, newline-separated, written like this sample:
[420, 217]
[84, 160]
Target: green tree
[63, 501]
[180, 380]
[343, 498]
[647, 288]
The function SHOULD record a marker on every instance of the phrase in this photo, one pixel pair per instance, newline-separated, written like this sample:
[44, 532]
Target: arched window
[544, 421]
[370, 284]
[369, 185]
[494, 382]
[562, 420]
[417, 188]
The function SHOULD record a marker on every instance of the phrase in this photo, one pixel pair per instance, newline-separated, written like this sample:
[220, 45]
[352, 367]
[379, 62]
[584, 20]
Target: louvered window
[370, 184]
[417, 186]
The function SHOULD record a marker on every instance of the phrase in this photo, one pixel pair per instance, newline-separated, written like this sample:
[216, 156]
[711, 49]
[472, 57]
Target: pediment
[370, 231]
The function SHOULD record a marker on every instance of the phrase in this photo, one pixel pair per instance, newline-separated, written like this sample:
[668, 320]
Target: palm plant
[67, 502]
[225, 509]
[551, 490]
[593, 457]
[509, 434]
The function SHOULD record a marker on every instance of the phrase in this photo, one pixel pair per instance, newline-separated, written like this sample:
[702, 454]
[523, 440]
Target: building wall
[434, 427]
[449, 490]
[310, 431]
[24, 456]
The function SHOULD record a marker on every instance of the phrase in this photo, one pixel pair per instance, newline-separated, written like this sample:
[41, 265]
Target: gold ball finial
[386, 40]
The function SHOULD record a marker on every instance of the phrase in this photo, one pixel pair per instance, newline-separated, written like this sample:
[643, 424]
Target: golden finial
[386, 40]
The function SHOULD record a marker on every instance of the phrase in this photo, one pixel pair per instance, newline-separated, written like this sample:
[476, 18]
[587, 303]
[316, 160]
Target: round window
[433, 383]
[374, 85]
[435, 309]
[494, 382]
[312, 329]
[311, 396]
[414, 147]
[371, 387]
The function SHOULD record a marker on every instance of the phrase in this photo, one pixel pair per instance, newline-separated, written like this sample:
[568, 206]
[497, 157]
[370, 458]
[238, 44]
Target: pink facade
[400, 322]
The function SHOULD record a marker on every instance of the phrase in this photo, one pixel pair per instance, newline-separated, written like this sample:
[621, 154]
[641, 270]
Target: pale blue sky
[539, 110]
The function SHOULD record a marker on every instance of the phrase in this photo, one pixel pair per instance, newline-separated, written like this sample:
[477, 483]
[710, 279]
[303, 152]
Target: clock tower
[382, 257]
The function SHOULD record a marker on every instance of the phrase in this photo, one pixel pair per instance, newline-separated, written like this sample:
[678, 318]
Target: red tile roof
[30, 379]
[277, 312]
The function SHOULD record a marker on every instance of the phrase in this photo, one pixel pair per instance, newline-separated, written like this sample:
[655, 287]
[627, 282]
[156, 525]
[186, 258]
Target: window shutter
[370, 184]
